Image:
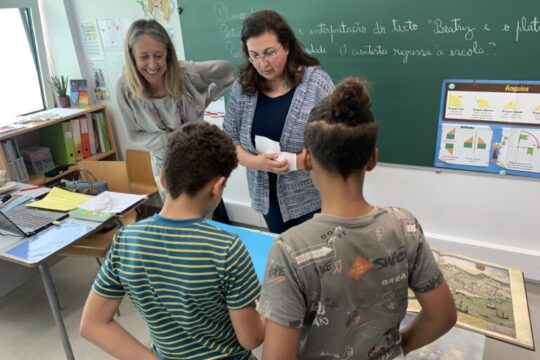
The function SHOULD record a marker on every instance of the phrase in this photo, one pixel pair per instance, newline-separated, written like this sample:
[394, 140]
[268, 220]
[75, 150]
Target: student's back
[356, 273]
[336, 287]
[194, 285]
[180, 278]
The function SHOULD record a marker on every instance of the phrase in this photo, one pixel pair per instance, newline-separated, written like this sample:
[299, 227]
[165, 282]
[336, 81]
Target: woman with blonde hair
[157, 93]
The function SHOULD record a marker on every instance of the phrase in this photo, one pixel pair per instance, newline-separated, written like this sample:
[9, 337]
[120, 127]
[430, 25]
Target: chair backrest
[139, 170]
[116, 176]
[113, 172]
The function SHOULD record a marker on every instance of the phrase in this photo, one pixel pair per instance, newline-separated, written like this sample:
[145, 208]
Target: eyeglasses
[266, 56]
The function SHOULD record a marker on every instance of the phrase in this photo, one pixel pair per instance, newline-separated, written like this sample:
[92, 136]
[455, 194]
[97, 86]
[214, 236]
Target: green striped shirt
[182, 276]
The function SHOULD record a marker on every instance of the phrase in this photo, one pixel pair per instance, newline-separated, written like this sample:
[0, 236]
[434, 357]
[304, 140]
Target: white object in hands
[291, 159]
[265, 145]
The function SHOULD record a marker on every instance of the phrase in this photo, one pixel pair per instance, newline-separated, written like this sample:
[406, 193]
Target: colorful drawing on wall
[79, 92]
[159, 10]
[100, 87]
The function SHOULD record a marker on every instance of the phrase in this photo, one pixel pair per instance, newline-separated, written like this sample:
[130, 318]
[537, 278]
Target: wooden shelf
[33, 126]
[29, 136]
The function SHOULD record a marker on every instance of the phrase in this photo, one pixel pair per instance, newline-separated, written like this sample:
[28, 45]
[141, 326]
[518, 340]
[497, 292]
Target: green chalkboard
[404, 48]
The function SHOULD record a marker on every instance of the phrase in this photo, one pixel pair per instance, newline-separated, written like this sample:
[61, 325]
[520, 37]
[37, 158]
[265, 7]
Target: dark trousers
[220, 214]
[274, 219]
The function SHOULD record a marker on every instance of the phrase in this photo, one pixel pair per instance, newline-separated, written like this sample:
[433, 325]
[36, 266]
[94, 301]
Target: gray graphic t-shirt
[344, 281]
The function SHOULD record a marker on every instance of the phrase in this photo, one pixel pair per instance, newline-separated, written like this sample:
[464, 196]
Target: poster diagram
[518, 149]
[490, 126]
[493, 103]
[466, 145]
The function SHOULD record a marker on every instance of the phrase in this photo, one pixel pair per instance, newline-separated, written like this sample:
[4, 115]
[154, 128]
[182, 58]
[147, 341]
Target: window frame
[39, 45]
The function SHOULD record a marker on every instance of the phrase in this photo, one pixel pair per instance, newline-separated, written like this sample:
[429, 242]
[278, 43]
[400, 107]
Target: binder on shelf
[95, 124]
[91, 135]
[105, 133]
[16, 149]
[15, 161]
[85, 138]
[9, 150]
[76, 130]
[59, 138]
[22, 173]
[18, 170]
[102, 132]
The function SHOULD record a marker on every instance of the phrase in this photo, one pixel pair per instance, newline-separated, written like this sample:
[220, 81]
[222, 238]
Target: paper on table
[113, 202]
[60, 200]
[265, 145]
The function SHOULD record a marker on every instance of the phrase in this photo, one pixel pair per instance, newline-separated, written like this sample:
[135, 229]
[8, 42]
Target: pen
[32, 188]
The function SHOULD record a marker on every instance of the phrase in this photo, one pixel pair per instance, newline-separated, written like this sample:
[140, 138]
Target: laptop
[24, 221]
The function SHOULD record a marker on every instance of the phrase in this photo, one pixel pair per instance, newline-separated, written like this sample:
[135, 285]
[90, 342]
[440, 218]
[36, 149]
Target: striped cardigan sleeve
[232, 121]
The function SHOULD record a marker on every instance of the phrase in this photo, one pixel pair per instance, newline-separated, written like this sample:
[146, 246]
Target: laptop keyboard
[31, 219]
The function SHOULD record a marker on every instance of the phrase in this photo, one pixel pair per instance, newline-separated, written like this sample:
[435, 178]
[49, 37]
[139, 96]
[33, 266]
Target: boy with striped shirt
[193, 284]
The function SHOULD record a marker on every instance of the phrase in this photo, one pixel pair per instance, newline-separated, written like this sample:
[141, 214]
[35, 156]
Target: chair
[141, 180]
[114, 172]
[139, 172]
[97, 245]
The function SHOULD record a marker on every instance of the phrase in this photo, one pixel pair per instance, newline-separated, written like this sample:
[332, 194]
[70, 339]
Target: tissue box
[38, 159]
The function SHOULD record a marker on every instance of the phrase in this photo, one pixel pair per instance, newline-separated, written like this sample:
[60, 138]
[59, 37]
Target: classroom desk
[257, 243]
[37, 250]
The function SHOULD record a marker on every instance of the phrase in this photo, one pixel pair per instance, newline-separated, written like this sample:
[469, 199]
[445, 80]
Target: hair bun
[350, 103]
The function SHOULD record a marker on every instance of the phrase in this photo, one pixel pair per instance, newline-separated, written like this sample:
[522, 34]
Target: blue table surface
[34, 249]
[257, 244]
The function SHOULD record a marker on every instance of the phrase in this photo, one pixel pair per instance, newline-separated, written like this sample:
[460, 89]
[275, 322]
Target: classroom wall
[491, 217]
[62, 54]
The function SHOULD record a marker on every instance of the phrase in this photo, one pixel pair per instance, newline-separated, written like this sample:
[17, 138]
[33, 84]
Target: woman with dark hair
[157, 93]
[277, 87]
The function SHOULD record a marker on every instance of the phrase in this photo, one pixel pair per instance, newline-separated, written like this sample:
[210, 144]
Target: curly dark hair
[341, 131]
[197, 153]
[262, 22]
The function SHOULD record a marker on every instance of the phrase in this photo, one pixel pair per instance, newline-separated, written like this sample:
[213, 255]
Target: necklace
[163, 125]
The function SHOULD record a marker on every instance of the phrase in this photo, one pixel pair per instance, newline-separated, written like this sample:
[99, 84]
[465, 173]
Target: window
[21, 85]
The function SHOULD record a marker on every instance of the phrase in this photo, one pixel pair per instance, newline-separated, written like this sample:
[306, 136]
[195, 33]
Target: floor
[27, 329]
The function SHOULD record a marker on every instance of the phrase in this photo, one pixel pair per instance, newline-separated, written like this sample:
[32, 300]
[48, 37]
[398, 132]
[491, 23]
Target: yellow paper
[60, 200]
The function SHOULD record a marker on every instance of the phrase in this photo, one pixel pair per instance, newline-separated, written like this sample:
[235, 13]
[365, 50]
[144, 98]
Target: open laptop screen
[23, 221]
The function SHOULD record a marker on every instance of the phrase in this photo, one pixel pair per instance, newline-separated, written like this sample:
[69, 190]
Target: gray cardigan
[296, 194]
[203, 82]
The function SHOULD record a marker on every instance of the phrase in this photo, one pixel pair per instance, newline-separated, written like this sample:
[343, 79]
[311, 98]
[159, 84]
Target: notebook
[23, 221]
